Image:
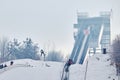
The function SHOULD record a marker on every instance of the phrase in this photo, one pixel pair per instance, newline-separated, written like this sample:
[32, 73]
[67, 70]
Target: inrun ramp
[91, 32]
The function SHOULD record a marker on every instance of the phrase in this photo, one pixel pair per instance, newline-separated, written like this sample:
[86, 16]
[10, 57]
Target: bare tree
[3, 49]
[55, 56]
[116, 53]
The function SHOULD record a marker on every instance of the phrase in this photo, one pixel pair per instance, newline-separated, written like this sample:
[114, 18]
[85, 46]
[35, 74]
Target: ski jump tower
[91, 33]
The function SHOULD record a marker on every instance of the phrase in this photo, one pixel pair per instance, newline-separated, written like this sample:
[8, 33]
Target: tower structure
[100, 29]
[98, 33]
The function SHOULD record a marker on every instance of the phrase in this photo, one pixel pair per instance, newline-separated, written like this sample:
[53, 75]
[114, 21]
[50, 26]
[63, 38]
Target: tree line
[10, 50]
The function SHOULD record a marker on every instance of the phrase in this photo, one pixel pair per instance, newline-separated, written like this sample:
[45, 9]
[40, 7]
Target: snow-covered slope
[32, 70]
[99, 68]
[25, 69]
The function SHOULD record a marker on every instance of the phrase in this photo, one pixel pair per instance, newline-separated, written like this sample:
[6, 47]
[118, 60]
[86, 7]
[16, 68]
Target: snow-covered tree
[18, 50]
[29, 49]
[14, 49]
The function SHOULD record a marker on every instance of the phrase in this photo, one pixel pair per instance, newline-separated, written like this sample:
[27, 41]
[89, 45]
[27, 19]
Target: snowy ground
[98, 69]
[25, 69]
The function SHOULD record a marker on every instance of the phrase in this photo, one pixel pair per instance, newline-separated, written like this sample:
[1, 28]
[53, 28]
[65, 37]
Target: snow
[99, 68]
[26, 69]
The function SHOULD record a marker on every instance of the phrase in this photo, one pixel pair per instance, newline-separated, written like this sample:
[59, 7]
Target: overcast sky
[50, 22]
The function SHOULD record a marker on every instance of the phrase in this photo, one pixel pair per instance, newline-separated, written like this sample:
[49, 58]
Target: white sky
[50, 22]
